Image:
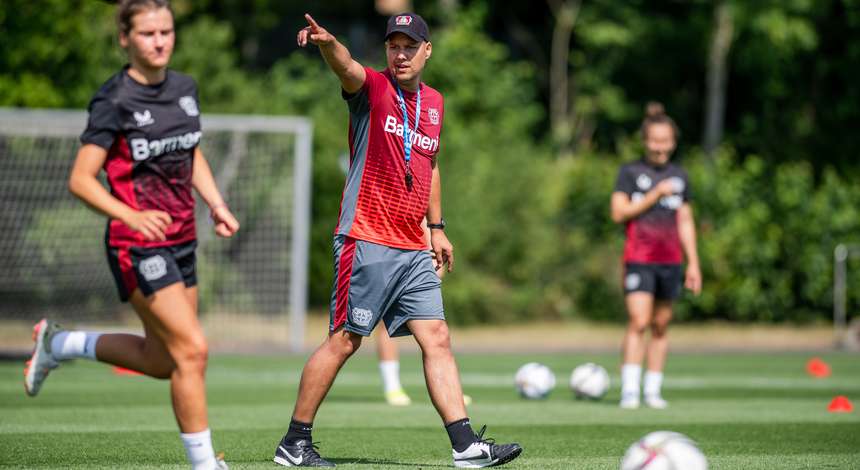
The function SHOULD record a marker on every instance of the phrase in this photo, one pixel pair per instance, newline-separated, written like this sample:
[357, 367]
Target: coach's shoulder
[431, 93]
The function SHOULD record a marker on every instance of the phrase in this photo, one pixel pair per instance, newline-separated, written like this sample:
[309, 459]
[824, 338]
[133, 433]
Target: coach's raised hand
[338, 58]
[314, 33]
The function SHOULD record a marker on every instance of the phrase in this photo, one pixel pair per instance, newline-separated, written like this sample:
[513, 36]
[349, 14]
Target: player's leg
[658, 348]
[639, 311]
[389, 368]
[171, 320]
[443, 384]
[639, 284]
[670, 279]
[147, 355]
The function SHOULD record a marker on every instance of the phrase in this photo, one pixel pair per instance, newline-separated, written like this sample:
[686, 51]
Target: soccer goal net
[252, 287]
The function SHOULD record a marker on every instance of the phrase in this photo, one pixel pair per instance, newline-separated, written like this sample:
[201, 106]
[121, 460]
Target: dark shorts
[662, 280]
[376, 282]
[151, 269]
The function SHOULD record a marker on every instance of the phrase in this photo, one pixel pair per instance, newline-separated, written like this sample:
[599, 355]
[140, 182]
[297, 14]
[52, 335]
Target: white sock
[198, 448]
[630, 376]
[74, 345]
[653, 382]
[390, 371]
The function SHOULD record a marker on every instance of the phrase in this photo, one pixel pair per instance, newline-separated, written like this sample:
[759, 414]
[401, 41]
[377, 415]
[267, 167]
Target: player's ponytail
[126, 9]
[655, 113]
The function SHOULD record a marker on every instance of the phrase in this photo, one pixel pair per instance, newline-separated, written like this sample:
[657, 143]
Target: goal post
[253, 287]
[841, 255]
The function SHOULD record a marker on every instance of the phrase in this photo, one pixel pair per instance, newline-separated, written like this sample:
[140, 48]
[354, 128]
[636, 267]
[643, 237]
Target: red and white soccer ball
[589, 380]
[664, 450]
[534, 381]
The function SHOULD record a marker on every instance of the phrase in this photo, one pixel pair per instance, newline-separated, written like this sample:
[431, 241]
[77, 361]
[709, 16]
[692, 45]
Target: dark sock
[299, 430]
[461, 434]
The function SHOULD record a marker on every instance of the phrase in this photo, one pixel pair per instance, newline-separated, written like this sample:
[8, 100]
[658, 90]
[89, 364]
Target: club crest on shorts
[188, 105]
[434, 116]
[403, 20]
[632, 281]
[361, 316]
[153, 268]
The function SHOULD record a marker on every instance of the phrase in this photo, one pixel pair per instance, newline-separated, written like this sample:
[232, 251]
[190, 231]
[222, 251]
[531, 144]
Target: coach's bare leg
[640, 307]
[658, 346]
[440, 368]
[320, 371]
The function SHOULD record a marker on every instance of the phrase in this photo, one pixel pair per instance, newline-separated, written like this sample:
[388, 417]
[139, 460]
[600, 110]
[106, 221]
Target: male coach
[383, 270]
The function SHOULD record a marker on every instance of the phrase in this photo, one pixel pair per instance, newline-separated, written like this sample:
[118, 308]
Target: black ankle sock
[299, 430]
[461, 434]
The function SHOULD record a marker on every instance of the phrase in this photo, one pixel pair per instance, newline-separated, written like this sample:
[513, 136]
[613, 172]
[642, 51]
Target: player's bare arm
[687, 234]
[201, 178]
[624, 209]
[443, 250]
[84, 184]
[336, 55]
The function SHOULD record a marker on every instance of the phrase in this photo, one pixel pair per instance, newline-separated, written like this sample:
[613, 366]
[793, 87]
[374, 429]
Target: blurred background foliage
[543, 102]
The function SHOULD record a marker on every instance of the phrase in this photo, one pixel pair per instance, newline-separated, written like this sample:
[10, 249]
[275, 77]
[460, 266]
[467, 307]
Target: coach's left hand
[225, 223]
[443, 250]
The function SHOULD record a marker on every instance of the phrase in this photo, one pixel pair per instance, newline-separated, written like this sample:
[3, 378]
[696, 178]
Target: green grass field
[750, 411]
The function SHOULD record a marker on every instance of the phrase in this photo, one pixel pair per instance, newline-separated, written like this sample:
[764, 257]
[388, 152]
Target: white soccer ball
[589, 381]
[534, 380]
[664, 450]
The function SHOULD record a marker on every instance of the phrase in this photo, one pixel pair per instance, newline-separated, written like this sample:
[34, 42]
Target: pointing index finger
[311, 21]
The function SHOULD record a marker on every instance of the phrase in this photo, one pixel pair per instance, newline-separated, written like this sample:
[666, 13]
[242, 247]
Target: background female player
[652, 198]
[144, 130]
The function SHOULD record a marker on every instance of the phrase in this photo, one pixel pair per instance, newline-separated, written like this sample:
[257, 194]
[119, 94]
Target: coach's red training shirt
[377, 206]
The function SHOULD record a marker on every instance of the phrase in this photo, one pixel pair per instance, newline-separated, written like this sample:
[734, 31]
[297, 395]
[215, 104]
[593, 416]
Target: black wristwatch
[439, 226]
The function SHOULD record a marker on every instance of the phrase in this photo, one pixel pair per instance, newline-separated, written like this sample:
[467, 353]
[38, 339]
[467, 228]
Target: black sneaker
[301, 453]
[486, 453]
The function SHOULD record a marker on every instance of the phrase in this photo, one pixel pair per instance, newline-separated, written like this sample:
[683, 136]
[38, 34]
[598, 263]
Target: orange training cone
[840, 404]
[117, 370]
[817, 368]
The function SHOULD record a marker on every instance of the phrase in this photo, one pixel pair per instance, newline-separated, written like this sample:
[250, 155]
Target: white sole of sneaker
[31, 369]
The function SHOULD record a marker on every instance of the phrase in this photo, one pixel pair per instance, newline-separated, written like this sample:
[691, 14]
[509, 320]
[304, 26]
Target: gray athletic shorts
[376, 282]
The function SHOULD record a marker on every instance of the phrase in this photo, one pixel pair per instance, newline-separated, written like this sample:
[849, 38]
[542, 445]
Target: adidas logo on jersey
[144, 118]
[141, 149]
[419, 140]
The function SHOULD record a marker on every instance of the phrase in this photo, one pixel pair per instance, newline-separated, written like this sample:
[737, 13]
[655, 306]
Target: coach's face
[406, 57]
[150, 41]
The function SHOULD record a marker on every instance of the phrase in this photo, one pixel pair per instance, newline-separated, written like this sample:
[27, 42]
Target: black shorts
[662, 280]
[151, 269]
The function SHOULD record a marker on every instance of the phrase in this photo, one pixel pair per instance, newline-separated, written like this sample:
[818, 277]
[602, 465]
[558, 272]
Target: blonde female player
[144, 131]
[651, 198]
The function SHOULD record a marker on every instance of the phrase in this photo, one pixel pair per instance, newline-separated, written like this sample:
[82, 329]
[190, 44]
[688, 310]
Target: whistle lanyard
[407, 133]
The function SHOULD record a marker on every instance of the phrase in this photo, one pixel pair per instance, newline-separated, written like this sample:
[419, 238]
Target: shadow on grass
[384, 462]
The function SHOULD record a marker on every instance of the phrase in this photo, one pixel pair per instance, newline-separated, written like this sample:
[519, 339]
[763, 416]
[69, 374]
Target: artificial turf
[745, 411]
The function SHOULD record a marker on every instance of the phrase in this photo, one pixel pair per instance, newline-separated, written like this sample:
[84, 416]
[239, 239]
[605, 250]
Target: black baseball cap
[409, 24]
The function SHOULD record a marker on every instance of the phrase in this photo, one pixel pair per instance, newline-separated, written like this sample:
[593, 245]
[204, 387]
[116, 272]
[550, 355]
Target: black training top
[150, 133]
[652, 237]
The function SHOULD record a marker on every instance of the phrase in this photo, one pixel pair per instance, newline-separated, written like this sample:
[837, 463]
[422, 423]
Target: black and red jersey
[653, 237]
[150, 133]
